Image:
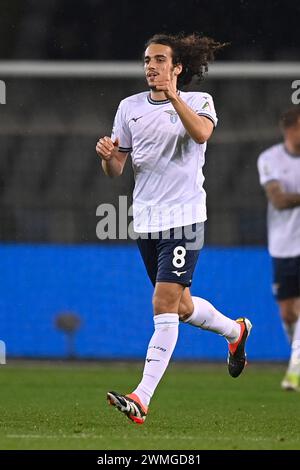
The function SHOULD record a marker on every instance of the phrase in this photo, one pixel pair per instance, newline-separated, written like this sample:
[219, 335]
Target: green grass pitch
[63, 406]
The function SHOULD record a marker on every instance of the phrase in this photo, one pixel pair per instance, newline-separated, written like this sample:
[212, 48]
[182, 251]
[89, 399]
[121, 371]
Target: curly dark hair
[193, 52]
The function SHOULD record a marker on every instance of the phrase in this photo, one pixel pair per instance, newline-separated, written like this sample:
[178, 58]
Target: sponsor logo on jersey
[135, 118]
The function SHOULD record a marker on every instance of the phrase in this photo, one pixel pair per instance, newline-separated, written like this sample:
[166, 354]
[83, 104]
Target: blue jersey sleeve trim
[209, 117]
[125, 149]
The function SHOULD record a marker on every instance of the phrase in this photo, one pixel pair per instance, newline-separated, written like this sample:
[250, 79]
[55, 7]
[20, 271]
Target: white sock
[159, 353]
[205, 316]
[289, 329]
[294, 363]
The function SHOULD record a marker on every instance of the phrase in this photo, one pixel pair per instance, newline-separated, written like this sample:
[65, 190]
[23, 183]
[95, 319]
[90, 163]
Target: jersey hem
[167, 227]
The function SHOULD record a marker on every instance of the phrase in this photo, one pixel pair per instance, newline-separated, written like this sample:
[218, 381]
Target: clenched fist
[106, 148]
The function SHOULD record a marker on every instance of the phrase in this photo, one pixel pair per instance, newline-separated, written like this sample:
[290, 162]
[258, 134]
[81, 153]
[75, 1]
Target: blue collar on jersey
[151, 101]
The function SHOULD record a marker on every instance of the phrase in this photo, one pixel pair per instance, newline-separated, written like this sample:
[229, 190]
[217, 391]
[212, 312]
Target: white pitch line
[53, 436]
[125, 437]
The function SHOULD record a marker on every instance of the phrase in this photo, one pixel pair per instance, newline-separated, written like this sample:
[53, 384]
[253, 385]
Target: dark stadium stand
[51, 180]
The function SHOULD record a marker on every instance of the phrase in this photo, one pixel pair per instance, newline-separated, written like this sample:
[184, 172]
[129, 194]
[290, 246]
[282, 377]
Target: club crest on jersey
[173, 115]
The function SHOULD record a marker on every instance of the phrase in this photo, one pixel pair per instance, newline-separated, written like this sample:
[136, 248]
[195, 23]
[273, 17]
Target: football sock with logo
[207, 317]
[294, 363]
[159, 352]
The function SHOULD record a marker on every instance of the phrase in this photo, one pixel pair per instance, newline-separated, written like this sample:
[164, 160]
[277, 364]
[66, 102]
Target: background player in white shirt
[279, 172]
[166, 132]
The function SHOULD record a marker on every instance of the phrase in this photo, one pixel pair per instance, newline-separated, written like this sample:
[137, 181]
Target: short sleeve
[121, 130]
[204, 106]
[266, 169]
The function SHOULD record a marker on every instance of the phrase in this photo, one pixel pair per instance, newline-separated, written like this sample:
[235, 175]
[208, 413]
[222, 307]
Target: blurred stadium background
[66, 66]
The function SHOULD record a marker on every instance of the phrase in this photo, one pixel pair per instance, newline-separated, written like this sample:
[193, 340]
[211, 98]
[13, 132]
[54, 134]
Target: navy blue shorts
[286, 281]
[171, 255]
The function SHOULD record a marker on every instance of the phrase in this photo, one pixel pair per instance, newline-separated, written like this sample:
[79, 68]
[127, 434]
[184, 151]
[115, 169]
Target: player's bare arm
[279, 198]
[113, 160]
[199, 128]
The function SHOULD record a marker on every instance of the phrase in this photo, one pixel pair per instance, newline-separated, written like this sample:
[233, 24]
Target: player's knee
[288, 310]
[289, 316]
[165, 303]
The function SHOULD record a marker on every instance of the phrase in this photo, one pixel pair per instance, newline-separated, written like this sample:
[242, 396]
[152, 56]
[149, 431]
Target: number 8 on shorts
[179, 256]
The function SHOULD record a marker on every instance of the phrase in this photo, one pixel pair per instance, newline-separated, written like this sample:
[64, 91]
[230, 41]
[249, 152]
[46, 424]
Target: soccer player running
[279, 172]
[166, 131]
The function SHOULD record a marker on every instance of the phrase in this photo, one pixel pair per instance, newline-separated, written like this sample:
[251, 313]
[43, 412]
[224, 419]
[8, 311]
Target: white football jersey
[277, 164]
[167, 162]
